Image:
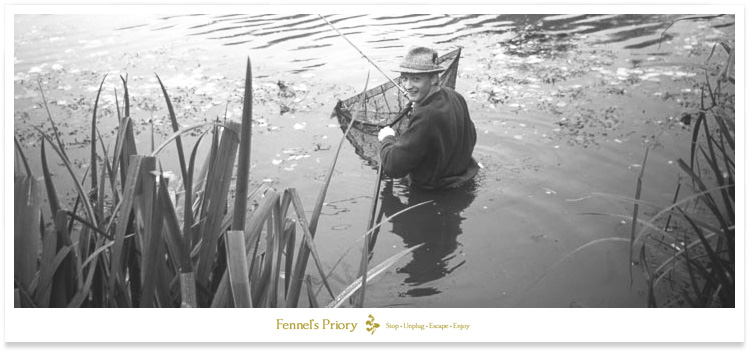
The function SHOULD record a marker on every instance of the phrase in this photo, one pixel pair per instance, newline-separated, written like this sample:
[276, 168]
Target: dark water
[564, 107]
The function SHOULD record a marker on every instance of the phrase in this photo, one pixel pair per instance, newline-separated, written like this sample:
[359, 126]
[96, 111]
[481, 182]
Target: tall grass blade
[187, 218]
[187, 290]
[366, 244]
[311, 299]
[304, 254]
[174, 238]
[243, 163]
[153, 247]
[93, 139]
[578, 249]
[724, 130]
[237, 269]
[719, 269]
[51, 121]
[133, 182]
[48, 282]
[252, 230]
[186, 176]
[706, 195]
[49, 246]
[377, 270]
[308, 242]
[54, 203]
[83, 293]
[635, 216]
[65, 279]
[26, 238]
[289, 254]
[650, 297]
[215, 201]
[693, 284]
[23, 157]
[713, 162]
[82, 194]
[694, 139]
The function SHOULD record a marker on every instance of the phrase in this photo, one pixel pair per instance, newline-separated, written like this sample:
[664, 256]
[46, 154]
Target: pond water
[564, 106]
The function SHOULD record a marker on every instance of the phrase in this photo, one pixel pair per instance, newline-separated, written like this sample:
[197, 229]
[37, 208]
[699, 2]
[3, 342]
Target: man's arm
[403, 154]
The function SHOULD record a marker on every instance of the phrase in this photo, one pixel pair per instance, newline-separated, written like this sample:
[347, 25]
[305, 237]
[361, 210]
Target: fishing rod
[363, 55]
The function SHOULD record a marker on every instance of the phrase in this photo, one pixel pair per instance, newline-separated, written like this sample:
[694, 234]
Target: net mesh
[382, 106]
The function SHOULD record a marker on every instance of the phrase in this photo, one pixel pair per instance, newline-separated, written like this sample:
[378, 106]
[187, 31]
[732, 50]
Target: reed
[690, 244]
[144, 248]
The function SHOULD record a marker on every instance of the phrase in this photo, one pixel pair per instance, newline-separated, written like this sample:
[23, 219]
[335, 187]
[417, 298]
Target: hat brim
[411, 70]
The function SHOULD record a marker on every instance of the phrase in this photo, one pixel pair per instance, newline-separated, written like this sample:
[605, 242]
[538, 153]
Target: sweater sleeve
[403, 154]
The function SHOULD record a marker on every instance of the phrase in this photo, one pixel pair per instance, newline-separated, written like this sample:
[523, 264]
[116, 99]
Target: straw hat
[420, 59]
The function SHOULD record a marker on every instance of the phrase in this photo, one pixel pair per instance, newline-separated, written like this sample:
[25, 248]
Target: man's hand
[386, 132]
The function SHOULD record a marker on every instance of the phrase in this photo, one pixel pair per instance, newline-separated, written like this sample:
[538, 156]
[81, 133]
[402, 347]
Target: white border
[488, 325]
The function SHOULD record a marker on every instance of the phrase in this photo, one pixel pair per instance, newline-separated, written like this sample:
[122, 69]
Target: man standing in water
[435, 149]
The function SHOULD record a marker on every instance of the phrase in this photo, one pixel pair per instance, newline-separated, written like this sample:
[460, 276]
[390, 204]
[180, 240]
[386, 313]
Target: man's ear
[435, 78]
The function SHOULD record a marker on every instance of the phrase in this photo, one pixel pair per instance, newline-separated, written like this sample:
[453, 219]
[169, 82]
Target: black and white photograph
[404, 160]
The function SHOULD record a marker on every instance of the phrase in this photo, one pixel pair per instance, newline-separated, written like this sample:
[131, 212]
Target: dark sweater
[435, 150]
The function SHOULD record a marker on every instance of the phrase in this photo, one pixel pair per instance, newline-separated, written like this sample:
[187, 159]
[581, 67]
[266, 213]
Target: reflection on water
[436, 224]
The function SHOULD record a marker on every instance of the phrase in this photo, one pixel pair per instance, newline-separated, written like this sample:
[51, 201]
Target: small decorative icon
[372, 325]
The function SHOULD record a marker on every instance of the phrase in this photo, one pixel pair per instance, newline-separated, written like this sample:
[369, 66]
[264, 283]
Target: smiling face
[418, 85]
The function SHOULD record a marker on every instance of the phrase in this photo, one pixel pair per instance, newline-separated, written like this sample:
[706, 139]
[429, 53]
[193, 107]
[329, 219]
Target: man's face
[417, 85]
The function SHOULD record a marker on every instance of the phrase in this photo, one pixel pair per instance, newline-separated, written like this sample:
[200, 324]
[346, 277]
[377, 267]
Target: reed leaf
[126, 95]
[667, 266]
[46, 283]
[174, 136]
[252, 230]
[706, 195]
[650, 298]
[51, 121]
[54, 203]
[110, 172]
[304, 254]
[93, 138]
[187, 218]
[174, 238]
[311, 300]
[26, 238]
[23, 157]
[579, 249]
[635, 215]
[79, 186]
[83, 292]
[377, 270]
[693, 284]
[153, 246]
[187, 290]
[178, 139]
[291, 235]
[243, 163]
[373, 229]
[237, 269]
[215, 201]
[719, 175]
[724, 130]
[64, 280]
[308, 238]
[133, 182]
[49, 246]
[701, 121]
[719, 269]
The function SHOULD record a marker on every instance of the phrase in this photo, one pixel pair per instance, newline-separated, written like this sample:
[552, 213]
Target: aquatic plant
[131, 241]
[691, 243]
